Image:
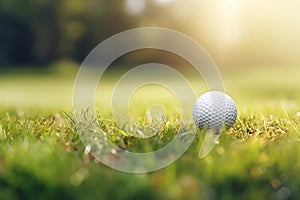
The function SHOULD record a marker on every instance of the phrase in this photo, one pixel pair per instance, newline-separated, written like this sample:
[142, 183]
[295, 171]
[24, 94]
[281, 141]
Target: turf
[42, 157]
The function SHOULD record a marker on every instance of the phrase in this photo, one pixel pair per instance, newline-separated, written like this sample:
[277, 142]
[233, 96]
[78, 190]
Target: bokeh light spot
[135, 6]
[163, 1]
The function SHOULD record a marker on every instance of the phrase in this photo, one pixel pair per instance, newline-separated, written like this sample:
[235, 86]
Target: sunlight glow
[228, 19]
[230, 8]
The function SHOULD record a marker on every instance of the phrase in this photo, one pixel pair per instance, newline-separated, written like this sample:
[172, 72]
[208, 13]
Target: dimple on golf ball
[214, 110]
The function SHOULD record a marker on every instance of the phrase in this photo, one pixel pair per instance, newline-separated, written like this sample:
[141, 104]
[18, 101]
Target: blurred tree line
[38, 32]
[42, 32]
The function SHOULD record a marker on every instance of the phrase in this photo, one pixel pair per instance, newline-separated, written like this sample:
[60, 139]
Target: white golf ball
[214, 110]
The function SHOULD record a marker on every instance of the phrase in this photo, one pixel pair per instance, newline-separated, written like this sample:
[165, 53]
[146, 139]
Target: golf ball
[214, 110]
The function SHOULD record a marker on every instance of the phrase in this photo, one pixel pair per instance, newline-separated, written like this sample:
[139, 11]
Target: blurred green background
[235, 33]
[42, 43]
[255, 44]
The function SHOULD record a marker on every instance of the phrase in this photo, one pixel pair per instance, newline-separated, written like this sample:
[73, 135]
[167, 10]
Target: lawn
[42, 157]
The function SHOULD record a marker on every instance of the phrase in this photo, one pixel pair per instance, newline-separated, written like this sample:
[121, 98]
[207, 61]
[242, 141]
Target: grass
[42, 157]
